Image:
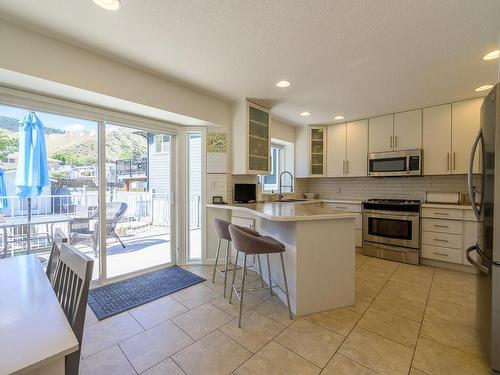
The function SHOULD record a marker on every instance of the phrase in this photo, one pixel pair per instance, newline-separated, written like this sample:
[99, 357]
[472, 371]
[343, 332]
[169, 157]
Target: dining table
[35, 336]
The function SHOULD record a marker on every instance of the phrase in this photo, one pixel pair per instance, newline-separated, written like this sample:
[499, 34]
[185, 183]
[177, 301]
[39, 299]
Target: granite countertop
[346, 201]
[289, 211]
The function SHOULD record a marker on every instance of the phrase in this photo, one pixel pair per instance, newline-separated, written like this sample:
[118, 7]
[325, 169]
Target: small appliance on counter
[245, 193]
[443, 198]
[391, 229]
[217, 199]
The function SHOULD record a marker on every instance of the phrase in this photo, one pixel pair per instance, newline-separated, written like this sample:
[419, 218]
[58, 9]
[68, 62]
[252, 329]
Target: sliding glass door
[109, 191]
[194, 193]
[138, 224]
[69, 202]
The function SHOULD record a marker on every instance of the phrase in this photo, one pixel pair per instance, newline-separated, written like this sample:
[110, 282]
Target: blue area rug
[124, 295]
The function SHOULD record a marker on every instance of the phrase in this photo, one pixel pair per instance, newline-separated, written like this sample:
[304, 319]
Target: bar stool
[248, 244]
[221, 228]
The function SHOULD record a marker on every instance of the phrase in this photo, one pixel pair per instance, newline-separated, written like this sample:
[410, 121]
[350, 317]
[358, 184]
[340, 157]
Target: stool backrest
[243, 241]
[55, 252]
[221, 227]
[71, 285]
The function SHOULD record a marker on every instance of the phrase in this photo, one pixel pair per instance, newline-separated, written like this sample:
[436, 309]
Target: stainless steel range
[391, 229]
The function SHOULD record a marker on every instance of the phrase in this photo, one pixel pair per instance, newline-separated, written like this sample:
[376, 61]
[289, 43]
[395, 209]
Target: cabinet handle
[442, 254]
[440, 240]
[454, 160]
[347, 167]
[447, 161]
[341, 208]
[441, 226]
[343, 166]
[442, 213]
[395, 141]
[390, 141]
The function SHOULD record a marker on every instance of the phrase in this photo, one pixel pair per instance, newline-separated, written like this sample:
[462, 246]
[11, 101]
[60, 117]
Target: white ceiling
[353, 57]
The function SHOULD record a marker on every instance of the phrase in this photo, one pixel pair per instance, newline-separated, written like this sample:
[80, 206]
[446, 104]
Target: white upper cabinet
[465, 120]
[250, 139]
[310, 151]
[357, 148]
[436, 139]
[348, 149]
[381, 133]
[448, 134]
[336, 150]
[408, 130]
[317, 150]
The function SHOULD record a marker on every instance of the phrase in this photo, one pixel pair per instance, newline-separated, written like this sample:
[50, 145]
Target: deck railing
[144, 209]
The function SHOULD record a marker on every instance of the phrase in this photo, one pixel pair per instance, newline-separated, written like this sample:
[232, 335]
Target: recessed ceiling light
[282, 84]
[109, 4]
[305, 113]
[484, 87]
[492, 55]
[339, 117]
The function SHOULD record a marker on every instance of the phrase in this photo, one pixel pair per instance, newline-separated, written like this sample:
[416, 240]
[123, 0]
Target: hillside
[77, 147]
[11, 124]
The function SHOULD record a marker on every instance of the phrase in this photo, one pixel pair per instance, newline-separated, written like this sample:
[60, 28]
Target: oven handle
[392, 214]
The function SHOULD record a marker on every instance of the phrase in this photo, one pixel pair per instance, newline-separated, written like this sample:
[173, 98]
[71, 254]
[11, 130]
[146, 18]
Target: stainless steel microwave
[395, 163]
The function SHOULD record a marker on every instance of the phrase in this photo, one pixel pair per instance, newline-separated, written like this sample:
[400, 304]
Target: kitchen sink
[290, 200]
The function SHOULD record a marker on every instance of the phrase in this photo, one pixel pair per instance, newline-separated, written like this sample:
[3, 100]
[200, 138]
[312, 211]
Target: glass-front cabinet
[250, 139]
[317, 157]
[258, 139]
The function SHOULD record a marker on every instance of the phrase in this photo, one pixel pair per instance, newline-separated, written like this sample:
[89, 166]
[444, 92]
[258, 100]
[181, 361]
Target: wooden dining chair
[55, 252]
[71, 285]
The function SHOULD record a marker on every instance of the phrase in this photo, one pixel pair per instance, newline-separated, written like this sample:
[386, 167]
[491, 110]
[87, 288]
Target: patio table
[16, 222]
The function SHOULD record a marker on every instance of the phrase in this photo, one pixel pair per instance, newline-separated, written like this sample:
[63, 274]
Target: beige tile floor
[407, 320]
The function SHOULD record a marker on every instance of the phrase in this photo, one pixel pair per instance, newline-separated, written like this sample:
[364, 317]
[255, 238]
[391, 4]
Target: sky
[52, 121]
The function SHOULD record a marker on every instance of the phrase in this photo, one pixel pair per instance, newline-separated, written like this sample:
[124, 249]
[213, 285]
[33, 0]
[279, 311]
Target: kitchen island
[320, 249]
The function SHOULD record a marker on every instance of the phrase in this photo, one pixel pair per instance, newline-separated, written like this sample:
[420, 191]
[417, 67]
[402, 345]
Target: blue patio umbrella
[3, 192]
[32, 173]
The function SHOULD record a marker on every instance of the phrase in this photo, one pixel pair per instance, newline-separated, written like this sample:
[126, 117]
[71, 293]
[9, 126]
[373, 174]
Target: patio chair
[86, 229]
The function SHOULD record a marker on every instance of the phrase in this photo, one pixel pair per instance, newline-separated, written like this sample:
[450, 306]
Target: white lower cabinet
[352, 207]
[447, 233]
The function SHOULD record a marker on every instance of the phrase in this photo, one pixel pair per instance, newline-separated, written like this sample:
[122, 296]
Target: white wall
[282, 131]
[37, 55]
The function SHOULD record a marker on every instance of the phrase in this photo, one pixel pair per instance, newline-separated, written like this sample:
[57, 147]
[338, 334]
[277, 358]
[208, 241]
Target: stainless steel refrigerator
[485, 255]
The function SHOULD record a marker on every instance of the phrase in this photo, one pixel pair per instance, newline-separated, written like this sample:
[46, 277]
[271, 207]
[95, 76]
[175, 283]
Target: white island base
[319, 257]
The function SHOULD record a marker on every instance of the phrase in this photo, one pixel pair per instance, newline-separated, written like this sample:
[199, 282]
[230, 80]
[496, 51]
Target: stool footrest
[221, 272]
[276, 285]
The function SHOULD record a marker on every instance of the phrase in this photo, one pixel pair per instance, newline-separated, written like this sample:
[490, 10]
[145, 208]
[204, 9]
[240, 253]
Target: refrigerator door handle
[480, 267]
[472, 192]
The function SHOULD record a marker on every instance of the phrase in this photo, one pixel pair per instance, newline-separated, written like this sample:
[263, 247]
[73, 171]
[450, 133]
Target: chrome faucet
[280, 196]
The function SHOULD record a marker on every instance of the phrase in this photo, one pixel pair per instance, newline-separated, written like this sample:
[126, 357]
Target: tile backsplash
[387, 187]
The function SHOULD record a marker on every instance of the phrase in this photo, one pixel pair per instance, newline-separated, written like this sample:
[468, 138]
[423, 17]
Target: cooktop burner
[394, 201]
[410, 205]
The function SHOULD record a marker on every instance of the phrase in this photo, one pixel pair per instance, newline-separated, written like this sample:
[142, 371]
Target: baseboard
[448, 265]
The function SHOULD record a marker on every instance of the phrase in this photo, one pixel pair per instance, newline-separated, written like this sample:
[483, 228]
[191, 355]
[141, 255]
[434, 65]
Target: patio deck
[142, 250]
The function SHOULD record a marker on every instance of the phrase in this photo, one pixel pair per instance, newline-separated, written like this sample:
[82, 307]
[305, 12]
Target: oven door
[393, 228]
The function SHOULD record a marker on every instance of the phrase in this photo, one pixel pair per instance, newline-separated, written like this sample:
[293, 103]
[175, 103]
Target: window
[161, 143]
[271, 182]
